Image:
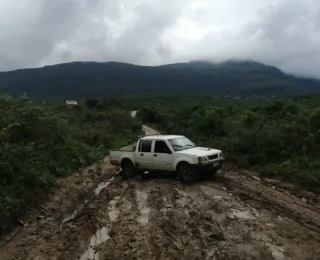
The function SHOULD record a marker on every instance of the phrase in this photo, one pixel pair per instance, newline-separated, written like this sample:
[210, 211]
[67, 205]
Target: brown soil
[238, 216]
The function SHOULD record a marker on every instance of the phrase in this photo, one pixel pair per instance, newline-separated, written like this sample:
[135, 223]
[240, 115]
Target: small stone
[287, 192]
[59, 247]
[114, 192]
[247, 236]
[255, 178]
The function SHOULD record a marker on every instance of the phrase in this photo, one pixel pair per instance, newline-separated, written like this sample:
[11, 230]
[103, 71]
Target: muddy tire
[128, 170]
[187, 174]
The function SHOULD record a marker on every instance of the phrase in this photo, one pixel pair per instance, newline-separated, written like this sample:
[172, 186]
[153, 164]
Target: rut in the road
[254, 190]
[163, 219]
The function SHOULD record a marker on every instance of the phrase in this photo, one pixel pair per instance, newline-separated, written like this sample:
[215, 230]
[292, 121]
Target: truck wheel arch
[125, 160]
[180, 164]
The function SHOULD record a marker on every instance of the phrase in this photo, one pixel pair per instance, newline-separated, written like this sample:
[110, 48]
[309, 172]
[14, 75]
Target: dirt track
[238, 216]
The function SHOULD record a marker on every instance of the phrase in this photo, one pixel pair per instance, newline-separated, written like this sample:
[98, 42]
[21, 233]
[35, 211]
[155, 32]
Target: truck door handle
[155, 155]
[141, 154]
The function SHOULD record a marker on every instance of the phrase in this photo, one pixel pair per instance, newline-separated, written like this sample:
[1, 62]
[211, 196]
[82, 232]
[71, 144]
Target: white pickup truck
[169, 153]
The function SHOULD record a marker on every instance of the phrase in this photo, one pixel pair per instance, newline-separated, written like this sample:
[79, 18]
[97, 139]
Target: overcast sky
[285, 33]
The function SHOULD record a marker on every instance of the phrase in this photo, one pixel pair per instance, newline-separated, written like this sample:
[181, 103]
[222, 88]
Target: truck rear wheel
[187, 174]
[128, 170]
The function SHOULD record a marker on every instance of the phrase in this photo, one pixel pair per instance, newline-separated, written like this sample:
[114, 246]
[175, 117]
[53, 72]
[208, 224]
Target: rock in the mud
[247, 236]
[304, 200]
[197, 255]
[271, 181]
[287, 192]
[114, 193]
[192, 253]
[154, 190]
[266, 255]
[183, 214]
[256, 178]
[46, 234]
[59, 246]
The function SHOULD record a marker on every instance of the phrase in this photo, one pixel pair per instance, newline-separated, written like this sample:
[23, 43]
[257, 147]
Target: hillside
[92, 79]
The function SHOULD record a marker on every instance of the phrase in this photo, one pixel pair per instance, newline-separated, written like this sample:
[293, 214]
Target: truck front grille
[212, 157]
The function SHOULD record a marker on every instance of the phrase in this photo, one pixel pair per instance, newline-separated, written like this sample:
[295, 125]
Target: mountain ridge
[81, 79]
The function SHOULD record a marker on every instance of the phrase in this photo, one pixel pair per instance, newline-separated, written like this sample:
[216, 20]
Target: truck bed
[115, 155]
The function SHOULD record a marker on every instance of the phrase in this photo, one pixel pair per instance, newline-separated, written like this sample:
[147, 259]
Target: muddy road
[96, 215]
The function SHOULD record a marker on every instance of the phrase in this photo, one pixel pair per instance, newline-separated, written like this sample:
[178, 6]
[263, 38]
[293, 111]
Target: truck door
[162, 156]
[144, 156]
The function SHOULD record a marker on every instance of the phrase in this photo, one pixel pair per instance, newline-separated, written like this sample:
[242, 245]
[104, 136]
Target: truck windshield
[181, 143]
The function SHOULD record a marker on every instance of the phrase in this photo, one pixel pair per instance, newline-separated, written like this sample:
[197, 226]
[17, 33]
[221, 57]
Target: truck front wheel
[187, 174]
[128, 170]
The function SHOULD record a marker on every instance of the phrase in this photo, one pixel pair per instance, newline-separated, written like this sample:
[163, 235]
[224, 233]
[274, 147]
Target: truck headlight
[203, 160]
[221, 155]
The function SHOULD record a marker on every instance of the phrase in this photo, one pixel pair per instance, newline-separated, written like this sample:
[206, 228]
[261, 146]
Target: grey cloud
[293, 32]
[28, 41]
[285, 33]
[141, 41]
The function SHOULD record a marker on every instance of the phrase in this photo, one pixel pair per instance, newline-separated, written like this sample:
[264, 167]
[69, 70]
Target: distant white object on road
[133, 113]
[71, 103]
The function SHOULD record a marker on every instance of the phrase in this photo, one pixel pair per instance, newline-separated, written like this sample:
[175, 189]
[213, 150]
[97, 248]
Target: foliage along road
[93, 214]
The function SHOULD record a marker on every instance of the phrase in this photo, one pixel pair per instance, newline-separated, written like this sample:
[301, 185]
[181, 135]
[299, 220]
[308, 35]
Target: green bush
[278, 137]
[40, 142]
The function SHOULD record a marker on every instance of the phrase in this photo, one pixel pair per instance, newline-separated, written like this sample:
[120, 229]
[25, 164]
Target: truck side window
[161, 147]
[145, 146]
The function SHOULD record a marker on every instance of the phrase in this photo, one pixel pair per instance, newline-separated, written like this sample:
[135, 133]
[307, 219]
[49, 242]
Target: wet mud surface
[237, 216]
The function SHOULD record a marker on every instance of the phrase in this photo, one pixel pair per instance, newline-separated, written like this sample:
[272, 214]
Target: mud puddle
[101, 186]
[101, 236]
[142, 198]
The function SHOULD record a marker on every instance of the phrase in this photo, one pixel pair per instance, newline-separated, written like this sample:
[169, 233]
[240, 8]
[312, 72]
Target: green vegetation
[42, 141]
[280, 138]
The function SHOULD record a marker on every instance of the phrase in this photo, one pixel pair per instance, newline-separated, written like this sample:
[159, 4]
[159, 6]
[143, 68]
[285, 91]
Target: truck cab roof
[160, 137]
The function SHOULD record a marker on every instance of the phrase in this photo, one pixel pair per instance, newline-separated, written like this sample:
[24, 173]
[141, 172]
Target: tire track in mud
[130, 232]
[167, 220]
[163, 219]
[283, 203]
[283, 236]
[185, 223]
[222, 234]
